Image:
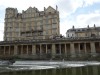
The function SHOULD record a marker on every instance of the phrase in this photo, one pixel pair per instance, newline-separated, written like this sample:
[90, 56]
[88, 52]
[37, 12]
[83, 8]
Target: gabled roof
[49, 9]
[31, 9]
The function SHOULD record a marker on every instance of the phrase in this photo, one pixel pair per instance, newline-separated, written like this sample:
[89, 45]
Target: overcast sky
[79, 13]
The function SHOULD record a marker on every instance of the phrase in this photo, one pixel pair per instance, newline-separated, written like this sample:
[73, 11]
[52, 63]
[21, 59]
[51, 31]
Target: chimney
[94, 25]
[88, 26]
[44, 8]
[56, 8]
[73, 27]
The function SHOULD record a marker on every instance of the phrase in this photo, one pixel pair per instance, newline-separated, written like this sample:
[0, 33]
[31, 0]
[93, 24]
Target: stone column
[9, 51]
[21, 49]
[40, 49]
[85, 48]
[4, 50]
[46, 49]
[15, 49]
[33, 49]
[79, 50]
[93, 51]
[72, 49]
[60, 48]
[0, 51]
[53, 50]
[27, 49]
[99, 44]
[65, 50]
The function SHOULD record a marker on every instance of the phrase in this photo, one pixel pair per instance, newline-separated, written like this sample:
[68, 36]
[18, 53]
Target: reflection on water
[51, 68]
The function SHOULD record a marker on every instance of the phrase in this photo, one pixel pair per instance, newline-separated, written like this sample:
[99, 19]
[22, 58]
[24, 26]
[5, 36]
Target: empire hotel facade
[31, 24]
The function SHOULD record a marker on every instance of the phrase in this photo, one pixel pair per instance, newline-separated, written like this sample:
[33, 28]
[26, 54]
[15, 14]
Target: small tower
[11, 12]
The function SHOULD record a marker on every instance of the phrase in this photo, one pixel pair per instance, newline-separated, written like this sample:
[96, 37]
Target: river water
[50, 68]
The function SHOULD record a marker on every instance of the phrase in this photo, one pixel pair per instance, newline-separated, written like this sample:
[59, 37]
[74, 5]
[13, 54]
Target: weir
[51, 68]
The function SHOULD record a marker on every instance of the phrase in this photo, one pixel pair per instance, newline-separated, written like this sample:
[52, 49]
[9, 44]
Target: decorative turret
[11, 12]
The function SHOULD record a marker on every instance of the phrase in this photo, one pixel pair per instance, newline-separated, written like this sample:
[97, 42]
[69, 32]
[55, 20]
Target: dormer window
[49, 12]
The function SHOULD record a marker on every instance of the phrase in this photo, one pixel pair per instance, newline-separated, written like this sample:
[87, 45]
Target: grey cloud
[2, 13]
[65, 5]
[93, 20]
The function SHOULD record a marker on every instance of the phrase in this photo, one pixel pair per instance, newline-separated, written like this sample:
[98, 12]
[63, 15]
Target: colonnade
[70, 49]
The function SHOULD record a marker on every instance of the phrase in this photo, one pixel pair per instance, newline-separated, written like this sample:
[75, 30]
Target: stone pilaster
[27, 49]
[72, 49]
[40, 49]
[33, 49]
[4, 50]
[93, 50]
[79, 49]
[15, 49]
[65, 50]
[21, 49]
[85, 47]
[46, 49]
[8, 51]
[60, 48]
[53, 50]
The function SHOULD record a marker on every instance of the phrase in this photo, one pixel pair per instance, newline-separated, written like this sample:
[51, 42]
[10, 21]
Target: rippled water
[50, 68]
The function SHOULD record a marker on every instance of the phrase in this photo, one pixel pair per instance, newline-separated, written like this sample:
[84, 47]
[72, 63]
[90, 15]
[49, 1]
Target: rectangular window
[54, 25]
[54, 31]
[54, 21]
[41, 22]
[46, 21]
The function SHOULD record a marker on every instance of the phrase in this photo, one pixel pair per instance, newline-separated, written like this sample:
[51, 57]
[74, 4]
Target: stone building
[89, 32]
[31, 24]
